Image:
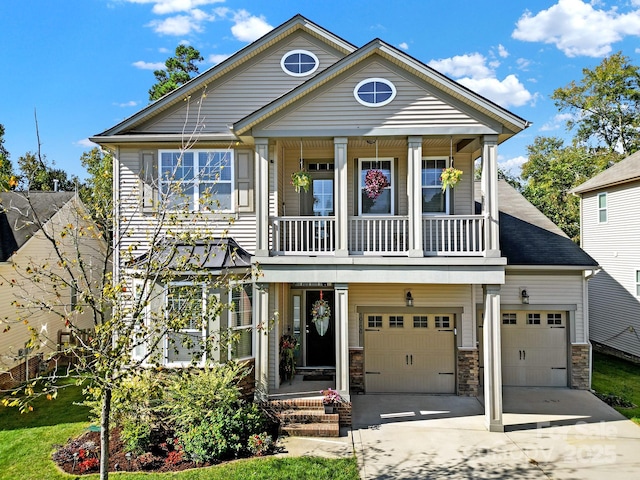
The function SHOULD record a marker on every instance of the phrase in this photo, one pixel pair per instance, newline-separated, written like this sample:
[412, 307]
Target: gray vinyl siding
[427, 296]
[615, 245]
[335, 107]
[136, 228]
[244, 89]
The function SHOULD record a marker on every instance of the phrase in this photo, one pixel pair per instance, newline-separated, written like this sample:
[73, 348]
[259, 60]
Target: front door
[320, 341]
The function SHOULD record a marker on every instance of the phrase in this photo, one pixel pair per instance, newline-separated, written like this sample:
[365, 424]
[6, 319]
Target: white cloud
[216, 58]
[502, 51]
[142, 65]
[247, 27]
[523, 64]
[86, 143]
[556, 122]
[164, 7]
[180, 24]
[512, 166]
[473, 71]
[130, 103]
[577, 28]
[404, 46]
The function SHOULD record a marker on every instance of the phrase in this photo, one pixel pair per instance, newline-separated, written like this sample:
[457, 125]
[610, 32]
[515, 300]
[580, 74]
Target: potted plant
[288, 347]
[301, 180]
[330, 399]
[450, 177]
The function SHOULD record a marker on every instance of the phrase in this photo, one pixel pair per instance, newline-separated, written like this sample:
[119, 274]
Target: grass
[27, 442]
[614, 376]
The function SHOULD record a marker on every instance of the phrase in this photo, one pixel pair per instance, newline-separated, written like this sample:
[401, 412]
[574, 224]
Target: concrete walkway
[550, 433]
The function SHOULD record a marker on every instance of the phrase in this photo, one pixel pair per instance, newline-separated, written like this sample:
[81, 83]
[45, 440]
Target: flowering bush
[374, 183]
[301, 180]
[260, 444]
[450, 177]
[331, 396]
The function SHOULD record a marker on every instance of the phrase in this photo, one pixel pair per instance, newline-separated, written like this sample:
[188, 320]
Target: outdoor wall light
[525, 296]
[409, 299]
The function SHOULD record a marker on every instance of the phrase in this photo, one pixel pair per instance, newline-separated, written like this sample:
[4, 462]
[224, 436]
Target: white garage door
[534, 349]
[409, 353]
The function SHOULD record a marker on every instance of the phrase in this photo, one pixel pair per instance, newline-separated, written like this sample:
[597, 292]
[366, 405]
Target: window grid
[396, 321]
[442, 321]
[384, 204]
[374, 321]
[533, 319]
[299, 63]
[374, 92]
[434, 200]
[554, 319]
[509, 319]
[420, 321]
[602, 208]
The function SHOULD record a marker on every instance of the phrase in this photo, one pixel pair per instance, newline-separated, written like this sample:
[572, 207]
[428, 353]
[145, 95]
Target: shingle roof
[23, 213]
[528, 237]
[627, 170]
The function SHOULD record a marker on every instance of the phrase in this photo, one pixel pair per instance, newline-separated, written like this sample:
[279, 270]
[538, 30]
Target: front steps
[305, 417]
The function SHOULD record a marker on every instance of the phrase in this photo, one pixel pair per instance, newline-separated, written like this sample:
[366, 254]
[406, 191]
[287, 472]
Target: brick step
[307, 416]
[311, 429]
[296, 404]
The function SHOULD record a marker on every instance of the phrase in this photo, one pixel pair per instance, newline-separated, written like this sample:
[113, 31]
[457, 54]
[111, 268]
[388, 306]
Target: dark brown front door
[320, 348]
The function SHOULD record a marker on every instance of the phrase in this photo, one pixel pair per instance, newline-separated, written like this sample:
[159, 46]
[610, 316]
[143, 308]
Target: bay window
[241, 321]
[185, 345]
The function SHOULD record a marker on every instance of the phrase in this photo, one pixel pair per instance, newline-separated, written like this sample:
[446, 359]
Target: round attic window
[374, 92]
[299, 63]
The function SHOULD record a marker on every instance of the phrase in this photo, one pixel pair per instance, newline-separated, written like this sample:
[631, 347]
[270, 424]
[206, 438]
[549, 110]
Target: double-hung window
[185, 342]
[434, 200]
[637, 283]
[197, 180]
[376, 187]
[241, 321]
[602, 208]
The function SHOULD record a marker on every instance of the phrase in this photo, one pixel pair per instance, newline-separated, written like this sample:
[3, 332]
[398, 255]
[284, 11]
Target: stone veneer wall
[468, 373]
[356, 370]
[580, 366]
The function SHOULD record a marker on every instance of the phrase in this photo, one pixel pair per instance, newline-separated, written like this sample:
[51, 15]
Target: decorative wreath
[315, 311]
[374, 183]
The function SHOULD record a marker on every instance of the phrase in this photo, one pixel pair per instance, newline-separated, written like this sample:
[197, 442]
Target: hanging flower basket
[374, 183]
[301, 180]
[450, 177]
[320, 314]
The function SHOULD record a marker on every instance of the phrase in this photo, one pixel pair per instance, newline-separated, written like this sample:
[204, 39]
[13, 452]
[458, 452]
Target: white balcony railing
[446, 235]
[453, 235]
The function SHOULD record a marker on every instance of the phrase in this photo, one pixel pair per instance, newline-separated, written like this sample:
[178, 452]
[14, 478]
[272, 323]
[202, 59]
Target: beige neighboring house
[24, 219]
[430, 291]
[610, 233]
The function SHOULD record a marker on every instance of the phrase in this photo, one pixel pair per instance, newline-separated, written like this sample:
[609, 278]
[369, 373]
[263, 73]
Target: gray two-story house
[422, 295]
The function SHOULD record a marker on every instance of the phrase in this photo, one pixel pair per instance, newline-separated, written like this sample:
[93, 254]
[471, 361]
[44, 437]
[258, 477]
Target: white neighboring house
[419, 279]
[24, 217]
[610, 233]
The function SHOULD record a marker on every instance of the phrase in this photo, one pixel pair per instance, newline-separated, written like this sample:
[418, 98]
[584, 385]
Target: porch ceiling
[385, 142]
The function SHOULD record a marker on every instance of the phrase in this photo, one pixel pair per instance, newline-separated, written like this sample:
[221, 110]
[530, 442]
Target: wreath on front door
[320, 311]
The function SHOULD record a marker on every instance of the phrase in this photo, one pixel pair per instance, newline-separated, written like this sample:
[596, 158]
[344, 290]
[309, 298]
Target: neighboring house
[416, 279]
[26, 219]
[610, 233]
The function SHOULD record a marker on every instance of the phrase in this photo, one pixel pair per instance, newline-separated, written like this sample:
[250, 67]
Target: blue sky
[84, 65]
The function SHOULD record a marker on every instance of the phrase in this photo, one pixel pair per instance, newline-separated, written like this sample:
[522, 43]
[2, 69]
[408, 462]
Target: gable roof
[298, 22]
[511, 123]
[23, 213]
[529, 238]
[627, 170]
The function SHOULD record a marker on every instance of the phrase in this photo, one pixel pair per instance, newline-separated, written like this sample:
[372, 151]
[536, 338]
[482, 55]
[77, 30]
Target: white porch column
[262, 197]
[414, 192]
[490, 195]
[340, 207]
[342, 338]
[261, 311]
[492, 360]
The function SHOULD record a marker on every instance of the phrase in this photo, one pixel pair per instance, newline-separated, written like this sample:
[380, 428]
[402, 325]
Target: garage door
[534, 349]
[409, 353]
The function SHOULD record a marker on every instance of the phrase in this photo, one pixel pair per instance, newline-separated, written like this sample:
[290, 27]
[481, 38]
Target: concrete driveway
[550, 433]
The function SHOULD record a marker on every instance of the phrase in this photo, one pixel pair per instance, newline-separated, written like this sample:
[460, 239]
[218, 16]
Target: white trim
[303, 52]
[605, 209]
[391, 188]
[371, 80]
[447, 197]
[203, 331]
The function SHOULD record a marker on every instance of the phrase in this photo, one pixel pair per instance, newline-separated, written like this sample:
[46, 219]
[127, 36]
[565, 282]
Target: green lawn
[27, 440]
[613, 376]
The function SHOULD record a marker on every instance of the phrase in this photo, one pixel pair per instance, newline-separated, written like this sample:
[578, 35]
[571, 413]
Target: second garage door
[409, 353]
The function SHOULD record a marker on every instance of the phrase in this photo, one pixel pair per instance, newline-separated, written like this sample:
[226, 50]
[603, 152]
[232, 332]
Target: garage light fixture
[525, 296]
[409, 299]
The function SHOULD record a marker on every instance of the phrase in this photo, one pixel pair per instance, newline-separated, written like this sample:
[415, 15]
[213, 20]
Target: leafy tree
[37, 174]
[179, 71]
[97, 191]
[605, 105]
[8, 181]
[550, 173]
